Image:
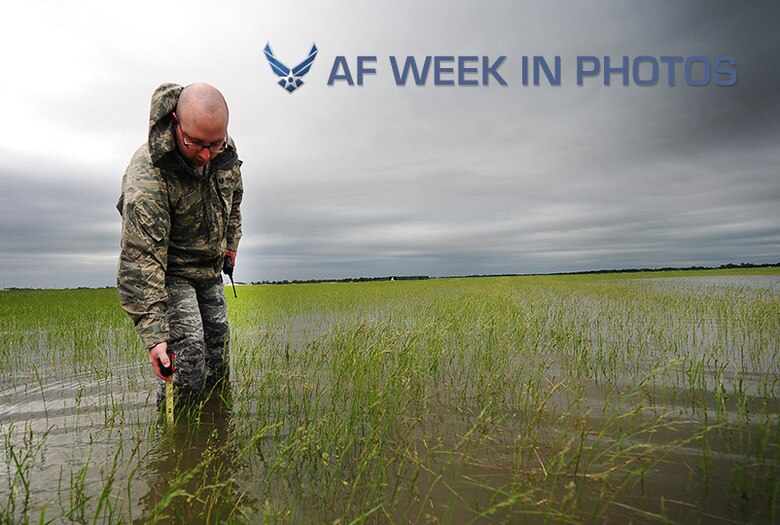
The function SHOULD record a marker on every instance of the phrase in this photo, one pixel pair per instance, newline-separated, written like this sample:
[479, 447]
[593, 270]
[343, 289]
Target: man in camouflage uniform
[180, 207]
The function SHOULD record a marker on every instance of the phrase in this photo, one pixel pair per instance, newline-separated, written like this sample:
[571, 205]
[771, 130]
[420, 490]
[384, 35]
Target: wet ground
[83, 438]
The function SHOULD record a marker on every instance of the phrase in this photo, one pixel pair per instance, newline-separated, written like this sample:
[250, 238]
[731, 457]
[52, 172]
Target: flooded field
[553, 399]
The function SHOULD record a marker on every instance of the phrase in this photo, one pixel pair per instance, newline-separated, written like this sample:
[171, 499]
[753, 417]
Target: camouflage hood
[161, 133]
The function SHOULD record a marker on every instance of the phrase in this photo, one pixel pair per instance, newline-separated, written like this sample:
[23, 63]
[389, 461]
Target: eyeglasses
[190, 143]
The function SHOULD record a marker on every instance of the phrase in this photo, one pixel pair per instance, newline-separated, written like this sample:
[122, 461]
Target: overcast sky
[380, 180]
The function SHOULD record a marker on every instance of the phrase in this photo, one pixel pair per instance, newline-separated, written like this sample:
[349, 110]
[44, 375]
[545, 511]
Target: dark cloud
[57, 231]
[382, 180]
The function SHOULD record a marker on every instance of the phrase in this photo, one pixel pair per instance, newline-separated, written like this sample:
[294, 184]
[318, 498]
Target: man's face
[200, 139]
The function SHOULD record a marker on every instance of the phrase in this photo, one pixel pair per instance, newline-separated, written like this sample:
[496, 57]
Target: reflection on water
[759, 282]
[86, 445]
[191, 469]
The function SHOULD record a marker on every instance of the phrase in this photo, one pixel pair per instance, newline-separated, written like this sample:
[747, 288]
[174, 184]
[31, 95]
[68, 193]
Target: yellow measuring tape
[169, 402]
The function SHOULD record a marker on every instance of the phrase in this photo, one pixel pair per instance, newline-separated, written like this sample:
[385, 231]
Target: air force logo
[290, 79]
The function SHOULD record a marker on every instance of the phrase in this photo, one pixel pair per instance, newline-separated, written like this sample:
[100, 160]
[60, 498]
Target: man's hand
[232, 255]
[159, 354]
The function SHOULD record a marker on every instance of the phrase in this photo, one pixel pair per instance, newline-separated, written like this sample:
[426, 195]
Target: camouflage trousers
[199, 336]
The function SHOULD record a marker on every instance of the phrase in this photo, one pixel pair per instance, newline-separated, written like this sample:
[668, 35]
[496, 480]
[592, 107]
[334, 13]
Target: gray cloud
[382, 180]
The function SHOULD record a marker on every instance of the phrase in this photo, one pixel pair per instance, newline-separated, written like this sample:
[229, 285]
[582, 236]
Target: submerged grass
[544, 399]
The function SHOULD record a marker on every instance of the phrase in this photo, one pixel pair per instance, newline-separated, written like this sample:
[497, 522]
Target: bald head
[202, 105]
[202, 119]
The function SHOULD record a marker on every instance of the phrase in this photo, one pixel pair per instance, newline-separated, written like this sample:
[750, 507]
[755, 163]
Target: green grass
[562, 399]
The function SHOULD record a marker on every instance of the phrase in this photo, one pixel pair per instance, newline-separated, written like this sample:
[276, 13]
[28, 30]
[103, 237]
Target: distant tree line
[349, 279]
[423, 277]
[582, 272]
[633, 270]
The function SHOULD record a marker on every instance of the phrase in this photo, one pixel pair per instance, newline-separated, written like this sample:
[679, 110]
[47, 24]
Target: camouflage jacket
[175, 221]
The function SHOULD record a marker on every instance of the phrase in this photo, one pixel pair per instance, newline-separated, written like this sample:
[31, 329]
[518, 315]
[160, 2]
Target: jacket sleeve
[234, 221]
[143, 256]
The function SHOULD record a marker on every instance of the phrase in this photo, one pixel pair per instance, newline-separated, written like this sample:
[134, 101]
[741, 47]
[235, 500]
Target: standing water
[533, 399]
